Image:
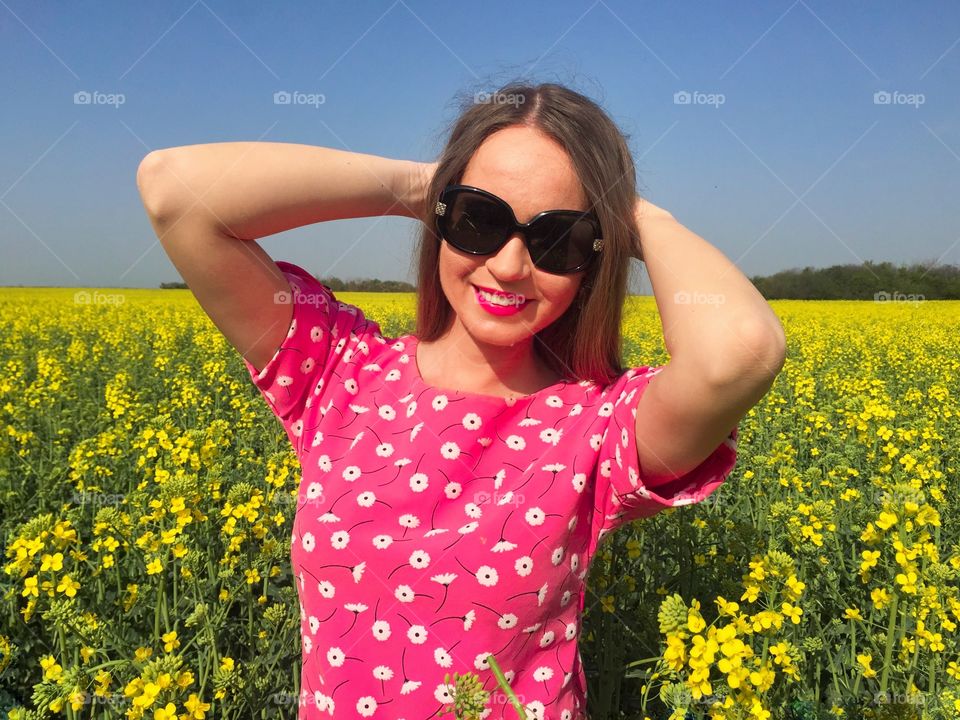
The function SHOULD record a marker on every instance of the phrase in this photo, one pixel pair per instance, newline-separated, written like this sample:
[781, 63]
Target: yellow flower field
[148, 497]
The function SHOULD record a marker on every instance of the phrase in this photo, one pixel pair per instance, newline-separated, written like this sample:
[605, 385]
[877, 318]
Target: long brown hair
[584, 343]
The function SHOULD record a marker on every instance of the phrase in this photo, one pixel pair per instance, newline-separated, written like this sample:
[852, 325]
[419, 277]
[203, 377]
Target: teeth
[496, 299]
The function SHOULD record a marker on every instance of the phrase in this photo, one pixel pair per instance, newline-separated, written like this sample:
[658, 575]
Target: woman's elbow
[758, 349]
[153, 183]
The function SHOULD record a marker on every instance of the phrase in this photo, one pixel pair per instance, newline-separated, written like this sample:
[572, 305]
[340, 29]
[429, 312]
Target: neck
[485, 368]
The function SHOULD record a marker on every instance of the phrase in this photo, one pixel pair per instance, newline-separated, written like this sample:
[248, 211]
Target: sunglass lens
[474, 223]
[560, 243]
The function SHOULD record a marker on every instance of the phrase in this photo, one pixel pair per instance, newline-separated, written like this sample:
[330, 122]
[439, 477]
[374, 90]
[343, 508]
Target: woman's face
[532, 173]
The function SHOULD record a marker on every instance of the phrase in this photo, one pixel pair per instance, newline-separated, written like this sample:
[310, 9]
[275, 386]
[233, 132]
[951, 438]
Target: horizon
[647, 292]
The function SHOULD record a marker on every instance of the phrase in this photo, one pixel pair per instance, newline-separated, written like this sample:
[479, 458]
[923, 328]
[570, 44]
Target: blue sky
[798, 165]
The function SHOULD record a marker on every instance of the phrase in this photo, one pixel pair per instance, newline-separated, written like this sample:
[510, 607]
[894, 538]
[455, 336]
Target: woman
[457, 480]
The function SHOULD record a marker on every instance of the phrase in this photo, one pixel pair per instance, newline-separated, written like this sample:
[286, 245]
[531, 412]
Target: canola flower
[150, 495]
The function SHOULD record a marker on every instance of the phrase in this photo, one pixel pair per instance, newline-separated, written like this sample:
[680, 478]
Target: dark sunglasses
[478, 222]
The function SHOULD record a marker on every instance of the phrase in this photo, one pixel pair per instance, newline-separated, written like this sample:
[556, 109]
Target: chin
[499, 336]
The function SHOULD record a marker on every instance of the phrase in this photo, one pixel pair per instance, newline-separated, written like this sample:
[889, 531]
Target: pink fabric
[434, 526]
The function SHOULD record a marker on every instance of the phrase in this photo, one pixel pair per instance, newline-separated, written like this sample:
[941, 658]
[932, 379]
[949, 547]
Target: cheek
[454, 265]
[557, 300]
[560, 291]
[453, 271]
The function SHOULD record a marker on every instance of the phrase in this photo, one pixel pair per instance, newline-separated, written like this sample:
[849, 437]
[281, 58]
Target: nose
[512, 261]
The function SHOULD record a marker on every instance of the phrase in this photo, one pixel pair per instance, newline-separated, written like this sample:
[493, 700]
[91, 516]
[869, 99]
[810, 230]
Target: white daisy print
[419, 533]
[417, 634]
[381, 630]
[340, 539]
[367, 706]
[335, 657]
[487, 575]
[523, 566]
[308, 542]
[419, 482]
[515, 442]
[409, 521]
[386, 412]
[442, 658]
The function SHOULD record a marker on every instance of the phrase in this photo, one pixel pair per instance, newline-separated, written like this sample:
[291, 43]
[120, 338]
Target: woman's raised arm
[208, 203]
[249, 190]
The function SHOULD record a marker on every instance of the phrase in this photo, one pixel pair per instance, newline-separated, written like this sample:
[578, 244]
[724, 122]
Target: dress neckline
[411, 342]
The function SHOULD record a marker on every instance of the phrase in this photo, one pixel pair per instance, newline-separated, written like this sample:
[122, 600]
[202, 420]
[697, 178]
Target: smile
[499, 303]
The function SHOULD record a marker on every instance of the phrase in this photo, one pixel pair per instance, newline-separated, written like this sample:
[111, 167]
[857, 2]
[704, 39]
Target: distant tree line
[368, 285]
[338, 285]
[867, 281]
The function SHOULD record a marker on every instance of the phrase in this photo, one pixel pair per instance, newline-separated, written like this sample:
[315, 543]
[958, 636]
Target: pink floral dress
[434, 527]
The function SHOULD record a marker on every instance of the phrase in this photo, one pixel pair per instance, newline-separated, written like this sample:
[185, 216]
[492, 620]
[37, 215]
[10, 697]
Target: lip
[497, 309]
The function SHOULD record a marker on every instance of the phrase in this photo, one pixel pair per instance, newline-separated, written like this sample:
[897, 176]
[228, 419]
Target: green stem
[853, 654]
[521, 713]
[163, 602]
[888, 651]
[249, 617]
[156, 618]
[816, 687]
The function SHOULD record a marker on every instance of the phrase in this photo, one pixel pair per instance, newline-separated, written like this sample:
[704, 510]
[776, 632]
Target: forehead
[528, 169]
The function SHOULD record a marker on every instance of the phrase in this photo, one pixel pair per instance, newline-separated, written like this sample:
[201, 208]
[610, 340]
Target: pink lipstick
[509, 303]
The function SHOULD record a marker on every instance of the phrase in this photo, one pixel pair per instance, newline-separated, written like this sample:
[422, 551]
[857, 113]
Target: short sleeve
[320, 327]
[622, 491]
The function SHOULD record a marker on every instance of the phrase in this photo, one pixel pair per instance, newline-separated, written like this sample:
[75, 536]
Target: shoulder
[626, 384]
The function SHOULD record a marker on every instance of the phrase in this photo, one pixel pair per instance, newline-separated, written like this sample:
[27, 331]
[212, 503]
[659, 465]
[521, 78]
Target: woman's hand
[646, 211]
